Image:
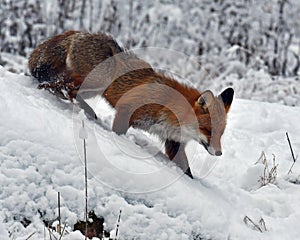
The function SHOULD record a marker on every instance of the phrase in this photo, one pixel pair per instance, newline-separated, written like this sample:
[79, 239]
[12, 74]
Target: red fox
[142, 97]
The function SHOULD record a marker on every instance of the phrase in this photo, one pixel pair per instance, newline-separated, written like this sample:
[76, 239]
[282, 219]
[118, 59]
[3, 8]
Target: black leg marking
[176, 153]
[87, 108]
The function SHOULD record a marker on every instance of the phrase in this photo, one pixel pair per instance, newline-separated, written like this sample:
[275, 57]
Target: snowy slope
[41, 154]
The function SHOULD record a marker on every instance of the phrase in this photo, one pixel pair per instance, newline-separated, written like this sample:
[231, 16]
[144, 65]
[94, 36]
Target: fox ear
[206, 99]
[227, 96]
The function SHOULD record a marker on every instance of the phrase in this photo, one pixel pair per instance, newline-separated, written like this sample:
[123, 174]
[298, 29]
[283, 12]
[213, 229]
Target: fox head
[211, 112]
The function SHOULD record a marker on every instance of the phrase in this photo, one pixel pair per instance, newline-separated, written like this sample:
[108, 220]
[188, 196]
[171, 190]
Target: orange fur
[142, 97]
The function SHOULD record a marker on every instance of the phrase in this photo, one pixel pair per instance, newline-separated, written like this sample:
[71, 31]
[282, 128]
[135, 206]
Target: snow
[3, 232]
[41, 154]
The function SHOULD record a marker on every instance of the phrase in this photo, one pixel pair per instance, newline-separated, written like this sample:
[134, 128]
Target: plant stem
[292, 152]
[85, 179]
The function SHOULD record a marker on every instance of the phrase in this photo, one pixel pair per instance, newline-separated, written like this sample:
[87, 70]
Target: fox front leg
[176, 153]
[86, 107]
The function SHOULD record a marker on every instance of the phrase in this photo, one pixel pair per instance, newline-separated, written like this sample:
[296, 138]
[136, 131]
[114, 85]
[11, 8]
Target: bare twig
[51, 234]
[269, 175]
[62, 232]
[273, 172]
[30, 235]
[118, 223]
[59, 216]
[262, 158]
[290, 170]
[85, 181]
[246, 219]
[292, 152]
[262, 223]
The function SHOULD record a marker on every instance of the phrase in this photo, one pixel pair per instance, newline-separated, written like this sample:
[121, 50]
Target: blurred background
[251, 45]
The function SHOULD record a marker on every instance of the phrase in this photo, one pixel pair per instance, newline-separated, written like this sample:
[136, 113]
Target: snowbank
[41, 154]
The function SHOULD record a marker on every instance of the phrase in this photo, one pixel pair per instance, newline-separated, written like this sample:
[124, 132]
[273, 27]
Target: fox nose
[214, 152]
[218, 153]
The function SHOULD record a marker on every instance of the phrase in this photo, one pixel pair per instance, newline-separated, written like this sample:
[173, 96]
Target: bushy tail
[47, 62]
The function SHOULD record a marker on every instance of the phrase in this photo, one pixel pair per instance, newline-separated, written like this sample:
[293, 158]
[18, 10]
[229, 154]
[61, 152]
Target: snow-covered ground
[41, 154]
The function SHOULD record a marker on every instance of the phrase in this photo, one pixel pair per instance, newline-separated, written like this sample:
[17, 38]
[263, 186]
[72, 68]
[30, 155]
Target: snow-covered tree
[258, 34]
